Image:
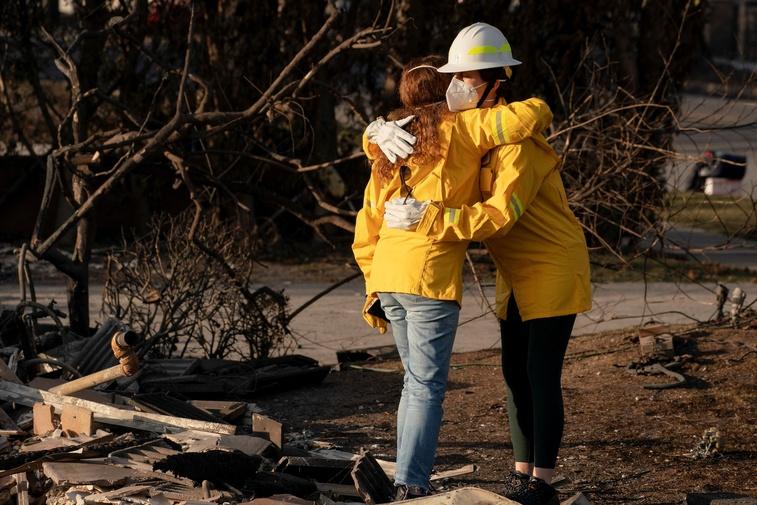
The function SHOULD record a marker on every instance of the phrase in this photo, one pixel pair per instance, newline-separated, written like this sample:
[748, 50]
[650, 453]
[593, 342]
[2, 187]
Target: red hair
[422, 92]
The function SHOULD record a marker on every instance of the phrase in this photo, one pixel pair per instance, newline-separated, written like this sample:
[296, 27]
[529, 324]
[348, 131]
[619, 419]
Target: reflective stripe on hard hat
[477, 47]
[505, 48]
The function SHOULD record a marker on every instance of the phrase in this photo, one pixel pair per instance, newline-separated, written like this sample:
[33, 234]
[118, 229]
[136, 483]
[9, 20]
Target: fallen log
[107, 414]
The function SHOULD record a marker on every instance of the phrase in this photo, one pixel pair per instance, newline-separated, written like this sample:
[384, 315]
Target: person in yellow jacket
[418, 280]
[543, 277]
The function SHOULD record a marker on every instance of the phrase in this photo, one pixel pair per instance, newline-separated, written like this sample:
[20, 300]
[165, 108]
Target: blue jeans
[424, 331]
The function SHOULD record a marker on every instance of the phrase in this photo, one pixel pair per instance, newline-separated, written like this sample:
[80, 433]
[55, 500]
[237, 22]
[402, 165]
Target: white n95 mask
[461, 96]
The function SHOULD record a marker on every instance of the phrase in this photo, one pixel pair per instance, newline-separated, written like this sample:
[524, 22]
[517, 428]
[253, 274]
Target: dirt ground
[622, 443]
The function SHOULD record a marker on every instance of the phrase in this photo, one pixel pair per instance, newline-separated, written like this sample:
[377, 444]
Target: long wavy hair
[422, 93]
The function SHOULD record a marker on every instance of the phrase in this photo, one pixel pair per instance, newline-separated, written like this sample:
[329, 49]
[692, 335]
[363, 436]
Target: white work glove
[404, 215]
[393, 141]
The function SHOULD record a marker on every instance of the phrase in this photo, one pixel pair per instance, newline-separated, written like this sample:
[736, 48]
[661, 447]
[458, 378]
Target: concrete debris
[71, 474]
[59, 439]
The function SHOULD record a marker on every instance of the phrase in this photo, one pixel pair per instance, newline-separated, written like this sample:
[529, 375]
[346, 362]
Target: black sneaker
[516, 485]
[409, 492]
[539, 493]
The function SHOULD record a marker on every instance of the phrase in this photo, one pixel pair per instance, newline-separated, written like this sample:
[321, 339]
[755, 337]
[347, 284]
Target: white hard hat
[477, 47]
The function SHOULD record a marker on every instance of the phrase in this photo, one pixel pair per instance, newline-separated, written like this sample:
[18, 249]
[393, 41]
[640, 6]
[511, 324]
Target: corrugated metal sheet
[96, 354]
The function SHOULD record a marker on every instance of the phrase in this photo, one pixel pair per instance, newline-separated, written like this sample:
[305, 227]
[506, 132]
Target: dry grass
[732, 216]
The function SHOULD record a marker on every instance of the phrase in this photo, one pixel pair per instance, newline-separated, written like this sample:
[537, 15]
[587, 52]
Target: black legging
[532, 358]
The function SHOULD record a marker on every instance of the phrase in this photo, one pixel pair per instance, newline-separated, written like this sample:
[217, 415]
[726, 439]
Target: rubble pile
[88, 421]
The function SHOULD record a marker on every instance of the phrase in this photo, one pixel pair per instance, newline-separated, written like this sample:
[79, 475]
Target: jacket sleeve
[371, 150]
[502, 124]
[367, 226]
[516, 184]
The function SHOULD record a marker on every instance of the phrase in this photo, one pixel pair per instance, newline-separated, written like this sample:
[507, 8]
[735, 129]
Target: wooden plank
[274, 429]
[337, 489]
[115, 495]
[22, 488]
[247, 444]
[46, 384]
[227, 410]
[107, 414]
[89, 381]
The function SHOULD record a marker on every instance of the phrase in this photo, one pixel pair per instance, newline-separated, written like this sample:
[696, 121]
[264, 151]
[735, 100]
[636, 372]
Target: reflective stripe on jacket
[402, 261]
[531, 233]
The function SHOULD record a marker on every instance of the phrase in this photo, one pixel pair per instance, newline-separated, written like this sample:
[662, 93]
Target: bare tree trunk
[94, 19]
[78, 284]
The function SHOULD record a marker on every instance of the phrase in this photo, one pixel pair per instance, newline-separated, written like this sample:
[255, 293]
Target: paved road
[713, 248]
[334, 322]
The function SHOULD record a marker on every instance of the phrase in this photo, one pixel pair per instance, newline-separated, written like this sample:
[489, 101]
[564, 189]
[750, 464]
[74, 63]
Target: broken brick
[43, 422]
[76, 420]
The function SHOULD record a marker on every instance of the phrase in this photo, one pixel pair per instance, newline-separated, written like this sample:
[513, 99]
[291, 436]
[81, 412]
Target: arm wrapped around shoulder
[504, 123]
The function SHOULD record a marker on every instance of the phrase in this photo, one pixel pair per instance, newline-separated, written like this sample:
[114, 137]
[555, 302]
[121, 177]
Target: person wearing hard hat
[542, 261]
[411, 281]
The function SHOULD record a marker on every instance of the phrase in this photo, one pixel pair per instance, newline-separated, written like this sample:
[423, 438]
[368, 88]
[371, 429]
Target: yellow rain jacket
[531, 233]
[408, 262]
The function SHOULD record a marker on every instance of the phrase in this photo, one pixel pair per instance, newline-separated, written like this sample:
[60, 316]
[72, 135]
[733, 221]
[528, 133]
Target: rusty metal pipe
[122, 344]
